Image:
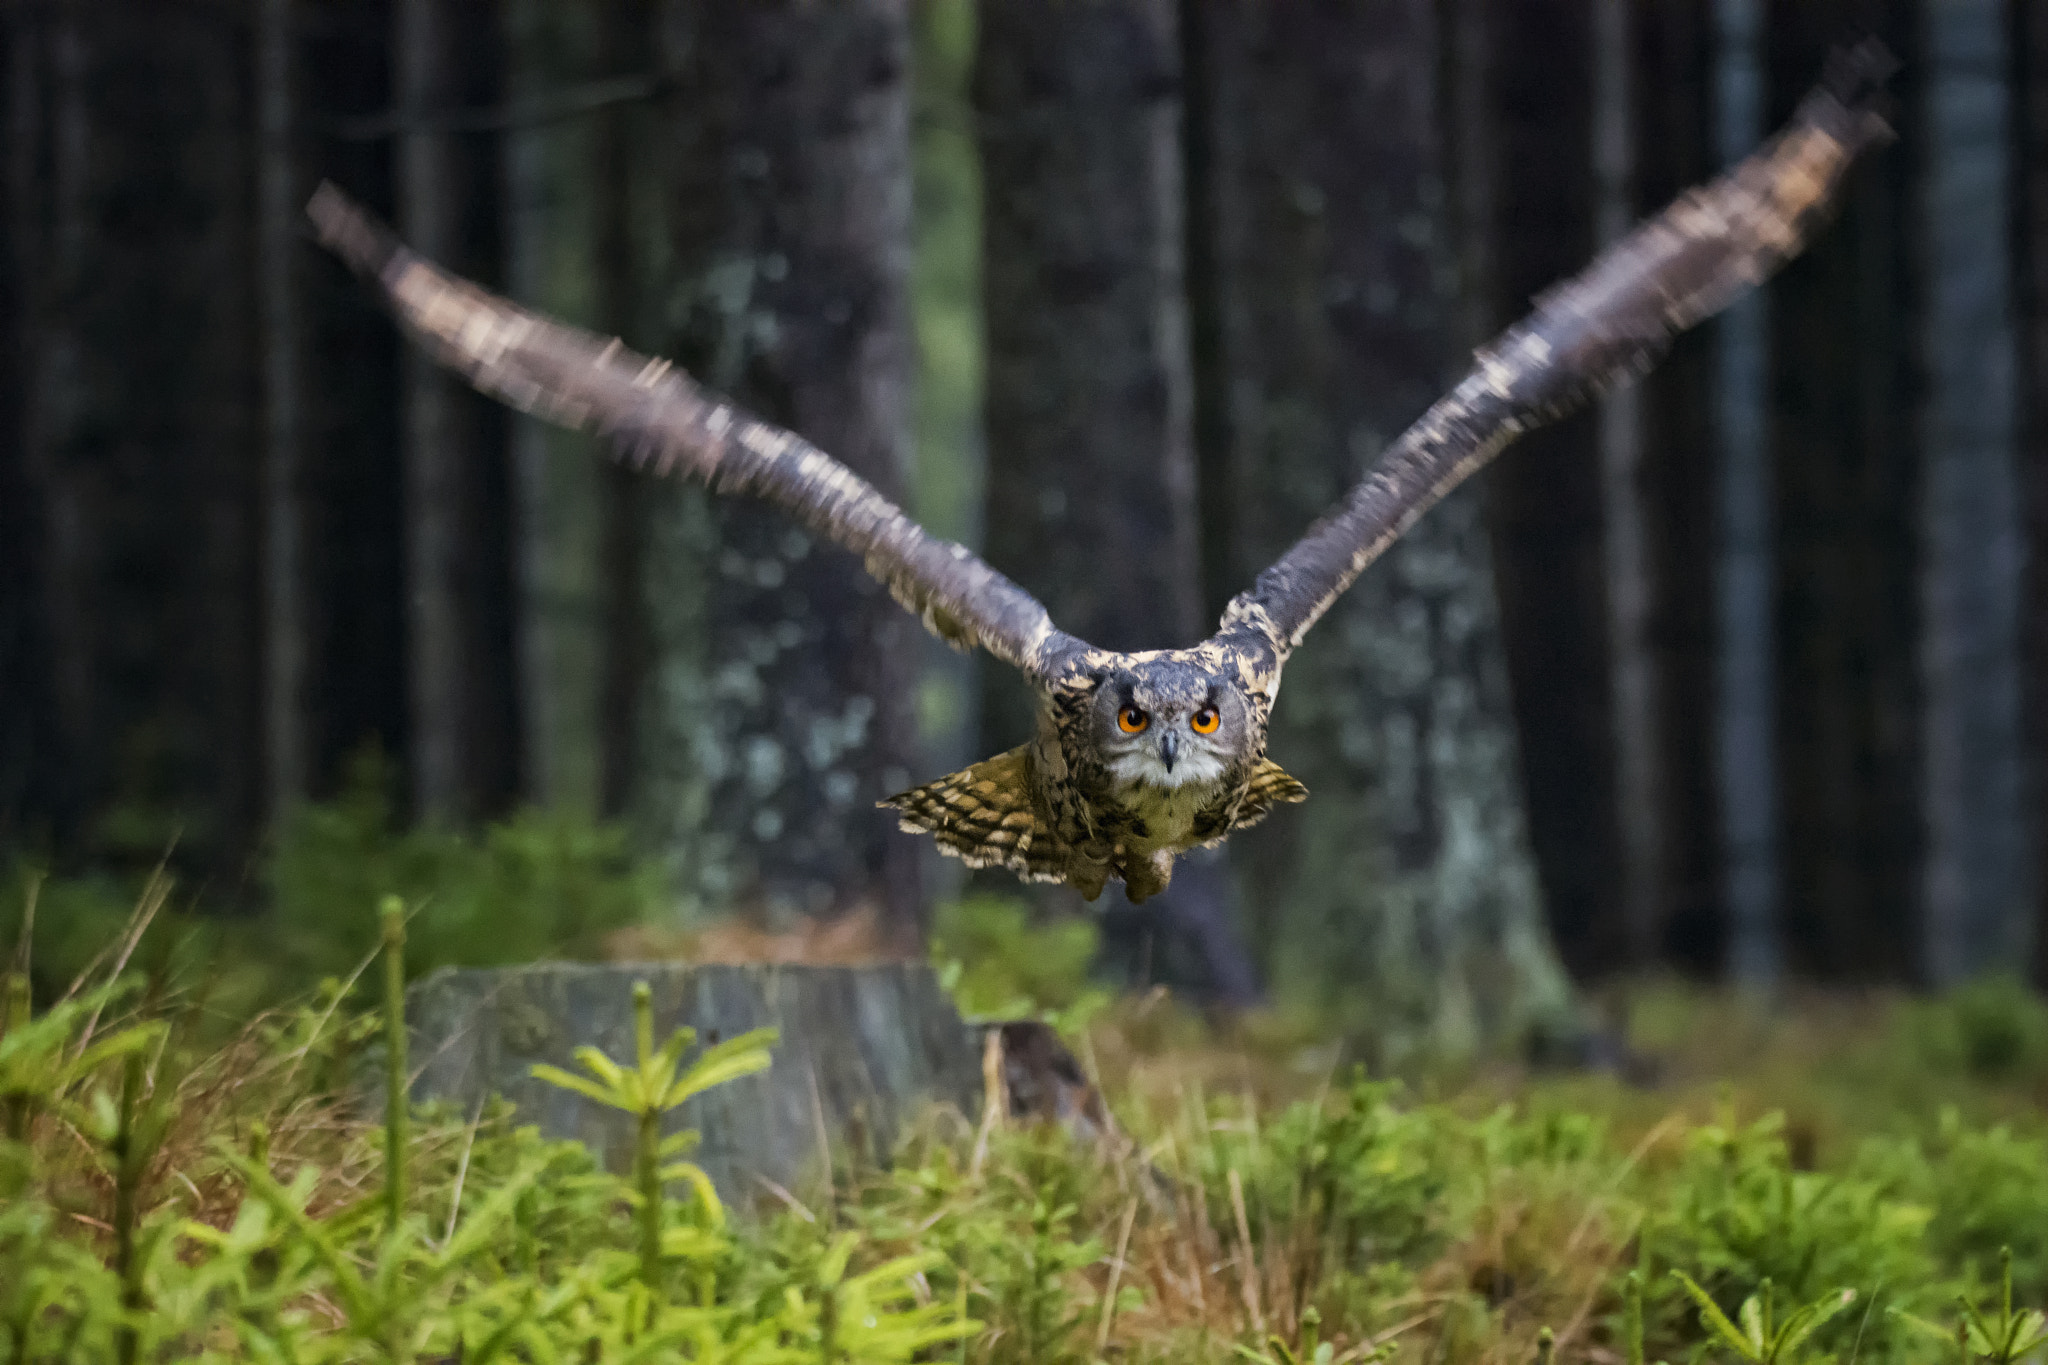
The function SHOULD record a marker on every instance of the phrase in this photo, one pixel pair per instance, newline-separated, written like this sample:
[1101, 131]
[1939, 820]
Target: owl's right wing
[1606, 325]
[659, 419]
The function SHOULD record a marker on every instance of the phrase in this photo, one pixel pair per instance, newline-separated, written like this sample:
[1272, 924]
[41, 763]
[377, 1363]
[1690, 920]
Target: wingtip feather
[350, 231]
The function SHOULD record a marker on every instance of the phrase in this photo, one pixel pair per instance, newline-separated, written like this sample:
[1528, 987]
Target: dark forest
[1743, 675]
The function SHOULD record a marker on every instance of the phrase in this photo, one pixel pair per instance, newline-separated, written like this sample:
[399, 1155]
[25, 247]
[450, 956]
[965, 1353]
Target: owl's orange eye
[1205, 721]
[1130, 720]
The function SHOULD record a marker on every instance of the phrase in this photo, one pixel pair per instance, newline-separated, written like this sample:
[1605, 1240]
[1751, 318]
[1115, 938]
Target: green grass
[1845, 1168]
[190, 1168]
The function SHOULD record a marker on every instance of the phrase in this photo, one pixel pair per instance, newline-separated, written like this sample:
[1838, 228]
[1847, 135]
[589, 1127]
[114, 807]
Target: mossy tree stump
[862, 1052]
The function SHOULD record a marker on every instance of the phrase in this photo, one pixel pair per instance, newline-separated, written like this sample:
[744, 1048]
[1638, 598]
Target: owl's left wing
[1608, 324]
[659, 420]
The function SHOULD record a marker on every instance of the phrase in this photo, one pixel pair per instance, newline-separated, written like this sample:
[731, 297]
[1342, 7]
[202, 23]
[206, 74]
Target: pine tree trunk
[460, 663]
[142, 419]
[29, 762]
[280, 194]
[1843, 446]
[1635, 680]
[353, 413]
[622, 300]
[1744, 554]
[1544, 501]
[1672, 102]
[2029, 164]
[1090, 494]
[1978, 871]
[782, 676]
[1404, 891]
[568, 187]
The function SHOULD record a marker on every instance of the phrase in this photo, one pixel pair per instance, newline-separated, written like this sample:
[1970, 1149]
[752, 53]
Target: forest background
[1743, 675]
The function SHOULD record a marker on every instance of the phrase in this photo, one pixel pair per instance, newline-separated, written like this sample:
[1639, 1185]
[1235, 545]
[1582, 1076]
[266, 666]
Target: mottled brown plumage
[1139, 757]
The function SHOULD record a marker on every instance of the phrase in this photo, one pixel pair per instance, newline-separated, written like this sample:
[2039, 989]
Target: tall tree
[1529, 64]
[1404, 890]
[570, 248]
[1627, 523]
[1090, 493]
[1844, 454]
[351, 424]
[1671, 52]
[782, 678]
[1744, 554]
[2029, 171]
[24, 731]
[460, 660]
[1978, 870]
[132, 180]
[280, 191]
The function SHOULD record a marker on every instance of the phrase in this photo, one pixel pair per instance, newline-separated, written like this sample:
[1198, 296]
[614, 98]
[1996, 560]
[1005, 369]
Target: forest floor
[1846, 1166]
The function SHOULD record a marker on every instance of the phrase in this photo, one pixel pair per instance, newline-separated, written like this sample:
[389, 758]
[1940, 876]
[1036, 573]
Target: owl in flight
[1140, 757]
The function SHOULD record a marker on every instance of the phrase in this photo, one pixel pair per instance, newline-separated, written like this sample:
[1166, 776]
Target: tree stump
[862, 1052]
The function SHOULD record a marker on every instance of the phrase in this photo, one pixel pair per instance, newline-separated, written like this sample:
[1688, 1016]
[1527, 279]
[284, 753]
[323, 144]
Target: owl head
[1165, 722]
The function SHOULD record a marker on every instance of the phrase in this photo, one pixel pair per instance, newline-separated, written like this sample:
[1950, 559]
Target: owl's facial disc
[1167, 726]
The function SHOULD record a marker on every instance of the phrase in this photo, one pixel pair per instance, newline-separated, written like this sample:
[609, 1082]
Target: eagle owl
[1140, 757]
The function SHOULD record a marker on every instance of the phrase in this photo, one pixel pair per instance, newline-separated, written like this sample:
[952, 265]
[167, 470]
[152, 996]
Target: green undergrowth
[537, 884]
[167, 1197]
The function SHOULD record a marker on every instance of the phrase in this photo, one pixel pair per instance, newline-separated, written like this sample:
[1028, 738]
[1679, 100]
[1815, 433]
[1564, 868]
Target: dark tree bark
[280, 192]
[1671, 99]
[31, 767]
[141, 415]
[1627, 523]
[1404, 891]
[1843, 446]
[1978, 871]
[2029, 170]
[780, 706]
[1543, 503]
[461, 664]
[570, 251]
[620, 294]
[353, 415]
[1090, 495]
[1744, 555]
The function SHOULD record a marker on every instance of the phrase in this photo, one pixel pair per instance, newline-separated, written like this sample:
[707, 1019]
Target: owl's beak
[1169, 748]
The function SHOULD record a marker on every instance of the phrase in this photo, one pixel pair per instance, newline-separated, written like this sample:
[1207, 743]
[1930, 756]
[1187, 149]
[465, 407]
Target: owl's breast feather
[1163, 817]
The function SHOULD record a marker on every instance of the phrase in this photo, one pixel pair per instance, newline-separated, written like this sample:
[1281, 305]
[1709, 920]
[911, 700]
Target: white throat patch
[1141, 767]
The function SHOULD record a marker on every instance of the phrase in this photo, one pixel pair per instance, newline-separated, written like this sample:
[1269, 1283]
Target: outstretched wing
[1608, 324]
[659, 419]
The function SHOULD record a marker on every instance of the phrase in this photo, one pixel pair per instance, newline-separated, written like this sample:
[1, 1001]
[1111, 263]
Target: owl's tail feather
[985, 817]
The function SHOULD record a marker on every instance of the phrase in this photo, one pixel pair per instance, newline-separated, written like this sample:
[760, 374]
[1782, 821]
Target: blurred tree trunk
[1532, 79]
[569, 250]
[1404, 891]
[31, 789]
[461, 666]
[1843, 446]
[352, 414]
[1671, 51]
[782, 676]
[1631, 584]
[1650, 144]
[1978, 872]
[1744, 505]
[1090, 495]
[280, 195]
[624, 180]
[132, 172]
[2029, 169]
